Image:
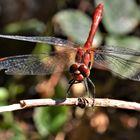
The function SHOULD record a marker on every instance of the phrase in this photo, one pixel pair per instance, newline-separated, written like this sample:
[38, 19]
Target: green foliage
[15, 89]
[4, 94]
[131, 42]
[41, 48]
[28, 26]
[18, 133]
[10, 126]
[120, 17]
[75, 25]
[49, 119]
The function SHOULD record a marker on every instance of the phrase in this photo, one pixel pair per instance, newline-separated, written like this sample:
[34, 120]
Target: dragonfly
[76, 59]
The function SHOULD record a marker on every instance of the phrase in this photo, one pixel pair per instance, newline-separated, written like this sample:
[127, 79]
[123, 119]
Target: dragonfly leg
[93, 86]
[86, 86]
[82, 102]
[94, 90]
[71, 82]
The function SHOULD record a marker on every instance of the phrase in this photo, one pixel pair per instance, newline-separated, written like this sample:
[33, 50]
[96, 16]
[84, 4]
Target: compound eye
[84, 70]
[73, 68]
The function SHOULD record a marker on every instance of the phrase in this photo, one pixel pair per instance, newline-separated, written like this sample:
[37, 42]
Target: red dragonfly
[77, 60]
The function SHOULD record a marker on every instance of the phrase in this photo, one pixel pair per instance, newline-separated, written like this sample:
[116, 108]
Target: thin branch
[81, 102]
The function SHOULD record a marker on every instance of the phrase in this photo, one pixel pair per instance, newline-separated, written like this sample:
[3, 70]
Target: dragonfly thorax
[79, 71]
[84, 56]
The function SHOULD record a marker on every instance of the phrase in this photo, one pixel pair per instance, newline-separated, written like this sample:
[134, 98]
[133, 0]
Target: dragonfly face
[81, 69]
[79, 72]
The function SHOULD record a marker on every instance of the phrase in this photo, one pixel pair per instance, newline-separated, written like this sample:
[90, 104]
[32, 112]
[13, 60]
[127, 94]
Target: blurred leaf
[8, 124]
[131, 42]
[49, 119]
[41, 48]
[15, 89]
[60, 90]
[7, 119]
[120, 16]
[76, 25]
[31, 26]
[4, 94]
[124, 67]
[18, 133]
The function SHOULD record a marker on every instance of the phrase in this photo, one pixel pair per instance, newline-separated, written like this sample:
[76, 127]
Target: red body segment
[84, 56]
[97, 16]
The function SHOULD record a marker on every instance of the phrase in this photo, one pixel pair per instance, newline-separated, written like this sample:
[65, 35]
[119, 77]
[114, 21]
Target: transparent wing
[117, 50]
[123, 62]
[42, 39]
[41, 64]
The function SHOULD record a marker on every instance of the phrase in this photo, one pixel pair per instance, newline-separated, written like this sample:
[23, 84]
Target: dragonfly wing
[41, 64]
[42, 39]
[118, 50]
[124, 66]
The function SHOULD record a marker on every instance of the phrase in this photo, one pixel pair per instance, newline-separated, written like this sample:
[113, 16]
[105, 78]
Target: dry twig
[82, 102]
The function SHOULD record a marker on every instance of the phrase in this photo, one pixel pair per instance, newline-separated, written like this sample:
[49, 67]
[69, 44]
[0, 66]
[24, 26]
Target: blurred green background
[70, 20]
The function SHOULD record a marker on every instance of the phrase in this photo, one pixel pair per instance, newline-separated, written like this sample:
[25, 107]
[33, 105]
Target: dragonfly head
[79, 72]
